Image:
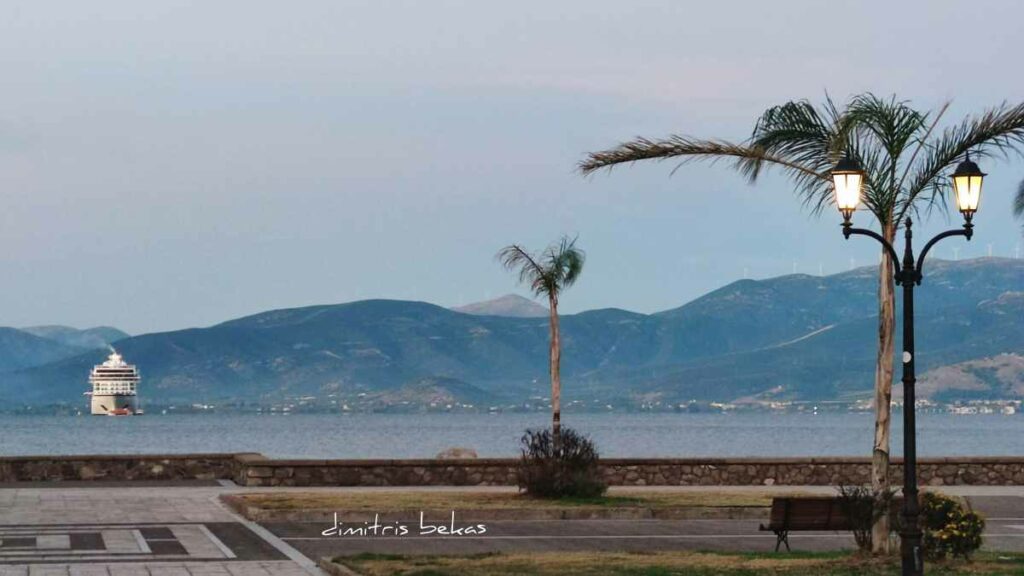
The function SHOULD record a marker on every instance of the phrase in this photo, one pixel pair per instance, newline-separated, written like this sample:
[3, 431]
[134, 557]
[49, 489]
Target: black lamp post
[848, 178]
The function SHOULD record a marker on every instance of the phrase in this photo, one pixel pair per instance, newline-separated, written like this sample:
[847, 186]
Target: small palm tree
[548, 273]
[905, 162]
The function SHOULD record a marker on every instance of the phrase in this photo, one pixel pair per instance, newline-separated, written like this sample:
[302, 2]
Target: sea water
[424, 435]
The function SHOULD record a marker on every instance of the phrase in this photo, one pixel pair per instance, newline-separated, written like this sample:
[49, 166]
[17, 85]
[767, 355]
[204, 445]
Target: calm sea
[424, 435]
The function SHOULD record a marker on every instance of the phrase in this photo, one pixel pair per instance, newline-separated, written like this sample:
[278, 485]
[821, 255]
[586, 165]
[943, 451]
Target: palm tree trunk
[556, 377]
[883, 388]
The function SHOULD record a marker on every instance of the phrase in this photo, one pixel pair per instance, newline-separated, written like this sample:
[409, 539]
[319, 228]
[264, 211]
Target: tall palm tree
[905, 159]
[548, 273]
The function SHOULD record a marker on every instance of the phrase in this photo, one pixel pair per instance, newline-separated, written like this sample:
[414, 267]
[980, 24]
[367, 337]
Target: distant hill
[1000, 376]
[791, 337]
[19, 349]
[511, 305]
[98, 337]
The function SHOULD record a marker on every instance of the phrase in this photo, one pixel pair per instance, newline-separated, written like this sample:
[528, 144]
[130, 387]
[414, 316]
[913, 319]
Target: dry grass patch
[427, 500]
[570, 564]
[663, 564]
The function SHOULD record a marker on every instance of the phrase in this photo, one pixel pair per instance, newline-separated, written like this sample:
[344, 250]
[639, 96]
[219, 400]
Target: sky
[175, 164]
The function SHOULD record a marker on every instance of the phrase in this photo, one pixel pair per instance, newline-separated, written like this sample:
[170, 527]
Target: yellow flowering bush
[949, 530]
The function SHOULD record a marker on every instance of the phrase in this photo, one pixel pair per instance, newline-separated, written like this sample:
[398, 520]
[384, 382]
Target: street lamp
[848, 178]
[967, 183]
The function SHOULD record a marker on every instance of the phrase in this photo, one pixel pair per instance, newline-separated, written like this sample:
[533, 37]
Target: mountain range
[791, 337]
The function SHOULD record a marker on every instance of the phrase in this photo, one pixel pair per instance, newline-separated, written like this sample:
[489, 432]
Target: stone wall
[809, 471]
[476, 472]
[257, 470]
[118, 467]
[627, 472]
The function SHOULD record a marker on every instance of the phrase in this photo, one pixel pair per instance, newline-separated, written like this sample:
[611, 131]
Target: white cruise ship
[114, 387]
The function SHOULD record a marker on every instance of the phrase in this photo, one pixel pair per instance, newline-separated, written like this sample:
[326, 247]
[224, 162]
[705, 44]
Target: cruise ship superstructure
[114, 387]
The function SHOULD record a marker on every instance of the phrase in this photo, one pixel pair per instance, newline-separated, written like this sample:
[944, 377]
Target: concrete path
[184, 530]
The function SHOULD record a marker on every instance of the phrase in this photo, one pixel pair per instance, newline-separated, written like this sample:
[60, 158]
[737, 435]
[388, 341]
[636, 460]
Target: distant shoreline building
[114, 387]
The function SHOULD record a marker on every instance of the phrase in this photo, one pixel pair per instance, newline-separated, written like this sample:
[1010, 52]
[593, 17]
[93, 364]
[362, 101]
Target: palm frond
[922, 142]
[999, 130]
[796, 131]
[531, 273]
[877, 197]
[1018, 201]
[687, 149]
[804, 135]
[892, 123]
[568, 261]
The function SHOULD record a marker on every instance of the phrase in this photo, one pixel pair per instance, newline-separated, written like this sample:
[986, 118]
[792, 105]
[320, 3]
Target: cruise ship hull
[103, 404]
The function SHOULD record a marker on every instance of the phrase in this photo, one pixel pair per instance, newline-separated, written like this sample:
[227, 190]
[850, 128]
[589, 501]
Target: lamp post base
[911, 552]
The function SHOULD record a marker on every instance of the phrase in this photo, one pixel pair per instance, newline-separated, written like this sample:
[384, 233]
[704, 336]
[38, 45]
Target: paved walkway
[135, 531]
[140, 530]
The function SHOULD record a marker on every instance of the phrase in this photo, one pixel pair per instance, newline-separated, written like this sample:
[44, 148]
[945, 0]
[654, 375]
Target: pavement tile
[53, 542]
[48, 570]
[89, 570]
[195, 541]
[247, 569]
[208, 569]
[164, 570]
[128, 570]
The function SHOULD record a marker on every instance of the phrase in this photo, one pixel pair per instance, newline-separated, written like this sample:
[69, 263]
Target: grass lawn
[667, 563]
[423, 500]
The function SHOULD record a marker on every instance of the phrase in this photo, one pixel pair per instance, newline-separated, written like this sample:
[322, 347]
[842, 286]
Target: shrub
[864, 506]
[937, 510]
[949, 530]
[571, 471]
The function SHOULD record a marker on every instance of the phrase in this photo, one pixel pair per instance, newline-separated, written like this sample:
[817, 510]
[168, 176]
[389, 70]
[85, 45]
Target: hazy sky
[175, 164]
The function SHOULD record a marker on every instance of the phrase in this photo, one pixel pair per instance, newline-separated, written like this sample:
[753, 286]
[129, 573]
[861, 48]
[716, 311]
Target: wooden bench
[791, 514]
[820, 513]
